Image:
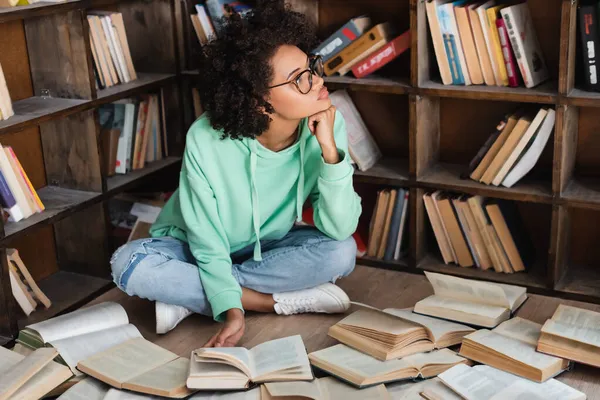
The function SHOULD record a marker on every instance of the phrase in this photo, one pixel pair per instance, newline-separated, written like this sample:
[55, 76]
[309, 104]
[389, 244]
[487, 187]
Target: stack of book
[388, 230]
[361, 47]
[475, 231]
[110, 49]
[17, 195]
[487, 43]
[514, 148]
[587, 19]
[6, 109]
[132, 134]
[24, 288]
[202, 25]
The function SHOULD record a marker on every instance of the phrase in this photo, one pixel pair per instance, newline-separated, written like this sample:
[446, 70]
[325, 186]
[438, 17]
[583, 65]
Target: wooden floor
[376, 287]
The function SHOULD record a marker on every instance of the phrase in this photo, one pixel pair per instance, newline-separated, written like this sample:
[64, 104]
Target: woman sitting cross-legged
[269, 140]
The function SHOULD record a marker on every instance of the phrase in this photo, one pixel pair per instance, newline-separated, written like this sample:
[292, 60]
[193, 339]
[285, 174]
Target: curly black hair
[235, 68]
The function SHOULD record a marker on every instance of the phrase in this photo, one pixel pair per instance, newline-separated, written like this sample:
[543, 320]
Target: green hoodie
[233, 193]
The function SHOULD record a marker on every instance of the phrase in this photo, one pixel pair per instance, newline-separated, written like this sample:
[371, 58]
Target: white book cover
[5, 103]
[13, 184]
[205, 22]
[107, 29]
[483, 20]
[401, 232]
[129, 129]
[103, 43]
[448, 26]
[438, 41]
[17, 292]
[520, 147]
[126, 132]
[119, 50]
[525, 44]
[361, 145]
[533, 153]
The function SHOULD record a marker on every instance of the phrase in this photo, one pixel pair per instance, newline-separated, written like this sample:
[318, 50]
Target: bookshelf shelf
[400, 265]
[532, 280]
[118, 183]
[145, 82]
[583, 192]
[582, 98]
[580, 281]
[68, 291]
[545, 93]
[36, 110]
[38, 9]
[372, 83]
[389, 171]
[59, 203]
[447, 176]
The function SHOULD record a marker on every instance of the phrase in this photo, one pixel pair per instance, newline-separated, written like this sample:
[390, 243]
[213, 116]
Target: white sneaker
[326, 298]
[168, 316]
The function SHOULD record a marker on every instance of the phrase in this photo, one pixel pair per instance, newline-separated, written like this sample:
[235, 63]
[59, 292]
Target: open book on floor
[140, 366]
[282, 359]
[86, 389]
[321, 389]
[511, 347]
[362, 370]
[429, 389]
[29, 377]
[81, 333]
[572, 333]
[484, 304]
[394, 333]
[483, 382]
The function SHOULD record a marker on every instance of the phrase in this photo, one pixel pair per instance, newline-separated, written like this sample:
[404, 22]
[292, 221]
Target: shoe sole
[339, 295]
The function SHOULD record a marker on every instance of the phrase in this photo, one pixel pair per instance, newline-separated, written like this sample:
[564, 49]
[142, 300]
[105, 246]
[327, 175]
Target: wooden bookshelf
[47, 61]
[428, 133]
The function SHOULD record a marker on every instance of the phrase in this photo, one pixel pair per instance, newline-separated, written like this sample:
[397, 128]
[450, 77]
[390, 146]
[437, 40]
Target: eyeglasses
[304, 79]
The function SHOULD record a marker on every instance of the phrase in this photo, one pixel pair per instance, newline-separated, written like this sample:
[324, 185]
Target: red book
[361, 247]
[381, 57]
[507, 53]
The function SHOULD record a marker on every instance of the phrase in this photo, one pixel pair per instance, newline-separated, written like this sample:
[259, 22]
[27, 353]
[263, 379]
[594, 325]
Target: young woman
[269, 140]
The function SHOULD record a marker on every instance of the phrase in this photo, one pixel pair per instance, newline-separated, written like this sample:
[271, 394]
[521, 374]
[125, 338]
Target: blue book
[341, 38]
[452, 43]
[392, 238]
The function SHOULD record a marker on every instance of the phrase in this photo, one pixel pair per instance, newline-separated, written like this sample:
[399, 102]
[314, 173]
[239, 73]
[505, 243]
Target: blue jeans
[163, 269]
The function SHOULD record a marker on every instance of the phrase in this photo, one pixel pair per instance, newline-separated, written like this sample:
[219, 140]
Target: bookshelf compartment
[536, 220]
[119, 183]
[459, 128]
[546, 16]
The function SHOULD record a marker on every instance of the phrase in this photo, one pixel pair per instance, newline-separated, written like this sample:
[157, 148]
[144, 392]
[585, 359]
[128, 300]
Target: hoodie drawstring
[300, 187]
[254, 197]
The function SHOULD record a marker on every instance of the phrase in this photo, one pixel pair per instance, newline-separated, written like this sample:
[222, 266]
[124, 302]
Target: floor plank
[377, 287]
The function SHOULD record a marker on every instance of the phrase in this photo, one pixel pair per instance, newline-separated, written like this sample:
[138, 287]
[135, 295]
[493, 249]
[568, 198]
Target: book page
[513, 294]
[117, 394]
[435, 389]
[88, 389]
[216, 370]
[279, 355]
[379, 321]
[437, 327]
[78, 348]
[462, 306]
[334, 389]
[85, 320]
[253, 394]
[24, 370]
[578, 334]
[513, 348]
[520, 329]
[125, 361]
[235, 356]
[166, 378]
[468, 290]
[308, 389]
[52, 375]
[577, 317]
[408, 390]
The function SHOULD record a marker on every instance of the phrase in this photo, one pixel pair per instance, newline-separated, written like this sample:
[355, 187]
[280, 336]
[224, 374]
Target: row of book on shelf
[476, 231]
[132, 133]
[381, 354]
[490, 42]
[110, 49]
[388, 229]
[6, 108]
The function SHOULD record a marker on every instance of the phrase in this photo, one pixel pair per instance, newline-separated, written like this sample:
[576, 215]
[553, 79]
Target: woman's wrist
[330, 153]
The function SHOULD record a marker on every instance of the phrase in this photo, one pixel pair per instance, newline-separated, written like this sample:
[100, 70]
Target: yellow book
[492, 14]
[32, 190]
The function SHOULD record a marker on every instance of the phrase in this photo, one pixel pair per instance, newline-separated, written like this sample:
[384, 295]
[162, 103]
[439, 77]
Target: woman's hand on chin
[321, 126]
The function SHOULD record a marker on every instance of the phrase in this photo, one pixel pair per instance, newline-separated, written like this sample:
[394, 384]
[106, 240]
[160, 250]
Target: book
[341, 38]
[511, 347]
[400, 247]
[587, 15]
[20, 293]
[416, 390]
[507, 53]
[491, 16]
[480, 45]
[461, 13]
[435, 389]
[8, 201]
[452, 43]
[572, 333]
[362, 147]
[282, 359]
[377, 222]
[37, 204]
[205, 23]
[393, 333]
[485, 382]
[527, 49]
[14, 259]
[13, 183]
[370, 41]
[327, 388]
[458, 241]
[484, 304]
[88, 388]
[29, 377]
[481, 11]
[81, 333]
[386, 223]
[485, 228]
[202, 38]
[383, 56]
[438, 229]
[6, 109]
[472, 232]
[394, 229]
[438, 41]
[361, 370]
[532, 152]
[140, 366]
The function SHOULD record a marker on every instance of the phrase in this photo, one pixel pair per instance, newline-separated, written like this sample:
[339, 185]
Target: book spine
[588, 18]
[32, 191]
[481, 153]
[383, 56]
[455, 68]
[509, 61]
[338, 41]
[6, 197]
